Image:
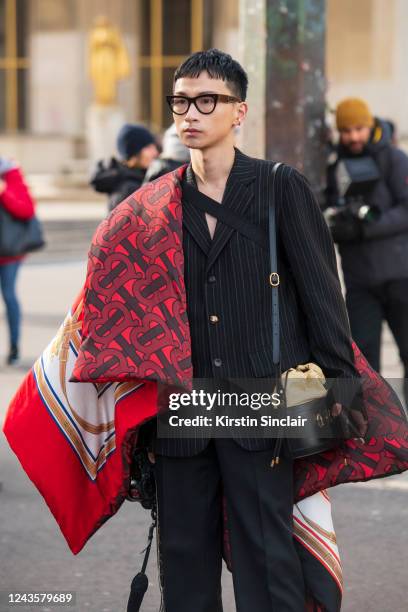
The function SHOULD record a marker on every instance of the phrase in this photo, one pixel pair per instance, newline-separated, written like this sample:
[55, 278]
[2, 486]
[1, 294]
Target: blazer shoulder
[285, 173]
[291, 176]
[263, 167]
[270, 163]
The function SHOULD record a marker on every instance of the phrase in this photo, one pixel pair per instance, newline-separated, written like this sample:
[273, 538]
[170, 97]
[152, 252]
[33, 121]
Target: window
[13, 64]
[169, 32]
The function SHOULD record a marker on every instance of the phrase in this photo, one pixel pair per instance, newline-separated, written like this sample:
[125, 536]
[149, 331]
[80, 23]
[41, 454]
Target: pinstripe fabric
[228, 277]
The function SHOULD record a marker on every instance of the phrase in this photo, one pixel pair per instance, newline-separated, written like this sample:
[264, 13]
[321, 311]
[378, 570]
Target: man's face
[147, 155]
[144, 158]
[355, 138]
[199, 131]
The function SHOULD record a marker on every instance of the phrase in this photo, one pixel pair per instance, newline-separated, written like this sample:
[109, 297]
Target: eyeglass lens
[205, 104]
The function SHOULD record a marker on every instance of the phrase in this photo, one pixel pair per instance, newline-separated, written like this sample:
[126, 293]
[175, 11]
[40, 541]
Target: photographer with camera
[367, 212]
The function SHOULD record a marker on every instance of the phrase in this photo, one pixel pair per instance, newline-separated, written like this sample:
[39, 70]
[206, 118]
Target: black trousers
[368, 307]
[267, 574]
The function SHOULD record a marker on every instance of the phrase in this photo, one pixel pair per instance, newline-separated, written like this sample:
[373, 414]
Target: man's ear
[242, 112]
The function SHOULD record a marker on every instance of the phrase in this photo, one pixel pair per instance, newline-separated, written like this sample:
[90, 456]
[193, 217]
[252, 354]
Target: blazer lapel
[194, 218]
[238, 195]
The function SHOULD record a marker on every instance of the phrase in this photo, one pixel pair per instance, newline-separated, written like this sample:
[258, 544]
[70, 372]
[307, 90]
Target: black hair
[219, 65]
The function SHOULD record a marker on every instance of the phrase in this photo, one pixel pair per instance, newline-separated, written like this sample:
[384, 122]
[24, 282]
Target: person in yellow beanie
[354, 122]
[367, 212]
[353, 111]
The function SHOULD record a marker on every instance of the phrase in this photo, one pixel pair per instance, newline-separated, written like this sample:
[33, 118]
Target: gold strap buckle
[274, 279]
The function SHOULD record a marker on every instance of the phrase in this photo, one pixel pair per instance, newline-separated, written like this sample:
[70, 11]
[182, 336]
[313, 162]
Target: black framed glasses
[204, 103]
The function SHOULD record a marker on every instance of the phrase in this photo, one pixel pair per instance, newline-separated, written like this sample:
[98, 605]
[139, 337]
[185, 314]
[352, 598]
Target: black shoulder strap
[274, 276]
[226, 215]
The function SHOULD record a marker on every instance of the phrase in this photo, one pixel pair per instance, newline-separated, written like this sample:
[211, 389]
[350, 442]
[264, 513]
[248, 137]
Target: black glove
[345, 227]
[353, 417]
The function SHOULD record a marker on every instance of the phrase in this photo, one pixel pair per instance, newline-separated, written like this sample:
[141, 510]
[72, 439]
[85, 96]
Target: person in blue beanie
[120, 177]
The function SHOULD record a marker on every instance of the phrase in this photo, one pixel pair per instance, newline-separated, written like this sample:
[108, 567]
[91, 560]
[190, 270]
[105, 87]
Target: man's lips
[191, 131]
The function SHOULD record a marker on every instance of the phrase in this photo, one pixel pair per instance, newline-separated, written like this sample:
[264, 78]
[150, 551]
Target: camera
[355, 178]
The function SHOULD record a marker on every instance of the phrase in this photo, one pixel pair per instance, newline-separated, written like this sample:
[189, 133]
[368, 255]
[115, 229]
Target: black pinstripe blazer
[227, 276]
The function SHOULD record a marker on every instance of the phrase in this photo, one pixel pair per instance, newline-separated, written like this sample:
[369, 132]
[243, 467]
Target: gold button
[214, 319]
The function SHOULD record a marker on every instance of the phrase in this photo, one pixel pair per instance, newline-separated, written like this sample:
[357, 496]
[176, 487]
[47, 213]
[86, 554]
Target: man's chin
[199, 143]
[196, 145]
[357, 149]
[190, 145]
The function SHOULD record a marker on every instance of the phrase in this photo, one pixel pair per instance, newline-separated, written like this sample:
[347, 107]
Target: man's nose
[192, 113]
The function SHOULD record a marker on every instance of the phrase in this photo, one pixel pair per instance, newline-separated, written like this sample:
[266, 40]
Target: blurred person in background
[137, 148]
[393, 131]
[17, 201]
[367, 211]
[173, 155]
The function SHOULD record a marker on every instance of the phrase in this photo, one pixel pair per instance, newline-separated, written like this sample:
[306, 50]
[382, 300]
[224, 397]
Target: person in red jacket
[16, 199]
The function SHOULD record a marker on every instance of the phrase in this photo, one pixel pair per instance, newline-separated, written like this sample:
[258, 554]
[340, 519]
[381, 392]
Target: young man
[170, 294]
[228, 305]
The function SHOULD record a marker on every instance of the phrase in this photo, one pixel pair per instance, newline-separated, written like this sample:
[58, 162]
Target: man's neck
[212, 166]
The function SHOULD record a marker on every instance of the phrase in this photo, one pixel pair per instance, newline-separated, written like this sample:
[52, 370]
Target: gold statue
[108, 60]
